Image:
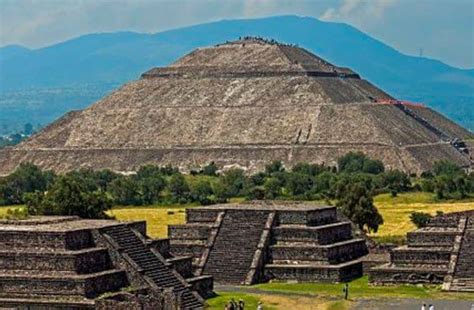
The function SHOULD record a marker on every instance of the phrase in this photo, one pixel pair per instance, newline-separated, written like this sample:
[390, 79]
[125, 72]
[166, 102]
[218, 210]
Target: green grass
[360, 288]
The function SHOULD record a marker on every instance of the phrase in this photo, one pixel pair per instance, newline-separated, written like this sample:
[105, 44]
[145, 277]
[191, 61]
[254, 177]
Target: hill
[40, 85]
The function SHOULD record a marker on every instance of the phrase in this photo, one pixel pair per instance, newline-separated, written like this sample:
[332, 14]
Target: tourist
[431, 307]
[241, 304]
[423, 307]
[234, 304]
[260, 306]
[345, 290]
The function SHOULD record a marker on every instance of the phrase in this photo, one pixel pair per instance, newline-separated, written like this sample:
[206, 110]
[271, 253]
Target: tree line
[351, 186]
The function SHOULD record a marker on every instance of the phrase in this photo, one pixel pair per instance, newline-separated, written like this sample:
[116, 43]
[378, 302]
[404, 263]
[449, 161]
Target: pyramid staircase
[234, 248]
[463, 277]
[152, 264]
[260, 241]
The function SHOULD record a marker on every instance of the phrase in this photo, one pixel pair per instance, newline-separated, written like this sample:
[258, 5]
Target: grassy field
[396, 211]
[157, 217]
[326, 296]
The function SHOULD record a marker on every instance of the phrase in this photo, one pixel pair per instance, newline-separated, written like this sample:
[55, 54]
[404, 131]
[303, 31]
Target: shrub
[420, 219]
[210, 169]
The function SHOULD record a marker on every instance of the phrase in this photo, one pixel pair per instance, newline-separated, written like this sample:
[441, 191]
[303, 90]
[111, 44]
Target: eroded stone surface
[243, 103]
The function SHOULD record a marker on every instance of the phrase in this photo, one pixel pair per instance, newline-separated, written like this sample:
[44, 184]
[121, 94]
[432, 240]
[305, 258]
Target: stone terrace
[260, 241]
[442, 252]
[67, 262]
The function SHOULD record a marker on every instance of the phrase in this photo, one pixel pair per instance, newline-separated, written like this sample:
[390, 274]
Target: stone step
[234, 248]
[323, 234]
[314, 272]
[78, 261]
[153, 265]
[89, 286]
[333, 253]
[423, 255]
[32, 301]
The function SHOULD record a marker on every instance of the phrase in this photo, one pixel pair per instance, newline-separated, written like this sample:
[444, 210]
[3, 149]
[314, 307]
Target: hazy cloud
[360, 11]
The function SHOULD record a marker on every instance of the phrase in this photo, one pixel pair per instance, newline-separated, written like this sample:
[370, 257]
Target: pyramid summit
[244, 103]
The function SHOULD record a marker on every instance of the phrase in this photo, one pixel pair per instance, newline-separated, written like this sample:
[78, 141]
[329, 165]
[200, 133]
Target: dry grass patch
[396, 211]
[157, 218]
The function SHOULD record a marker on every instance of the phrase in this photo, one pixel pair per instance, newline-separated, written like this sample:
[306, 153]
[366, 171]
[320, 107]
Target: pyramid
[244, 103]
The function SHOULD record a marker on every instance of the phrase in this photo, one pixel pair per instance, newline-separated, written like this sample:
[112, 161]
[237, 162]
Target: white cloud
[358, 11]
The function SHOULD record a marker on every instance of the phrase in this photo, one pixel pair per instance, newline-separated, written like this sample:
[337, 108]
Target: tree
[234, 181]
[445, 167]
[149, 171]
[274, 167]
[221, 191]
[309, 169]
[69, 196]
[356, 203]
[395, 181]
[201, 192]
[151, 188]
[27, 178]
[298, 183]
[125, 190]
[179, 188]
[354, 162]
[272, 188]
[255, 193]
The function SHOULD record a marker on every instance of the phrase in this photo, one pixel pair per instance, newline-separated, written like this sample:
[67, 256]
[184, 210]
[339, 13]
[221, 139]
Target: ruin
[71, 263]
[260, 241]
[244, 103]
[441, 252]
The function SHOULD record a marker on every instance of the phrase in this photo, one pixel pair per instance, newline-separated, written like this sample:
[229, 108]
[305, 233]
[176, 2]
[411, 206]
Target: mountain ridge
[114, 58]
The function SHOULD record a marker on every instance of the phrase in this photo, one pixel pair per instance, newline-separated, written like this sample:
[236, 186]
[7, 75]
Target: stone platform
[260, 241]
[71, 263]
[441, 252]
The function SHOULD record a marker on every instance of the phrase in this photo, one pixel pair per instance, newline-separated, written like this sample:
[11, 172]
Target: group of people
[233, 305]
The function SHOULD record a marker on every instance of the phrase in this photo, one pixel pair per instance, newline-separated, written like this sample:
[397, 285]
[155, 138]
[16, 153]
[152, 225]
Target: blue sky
[441, 29]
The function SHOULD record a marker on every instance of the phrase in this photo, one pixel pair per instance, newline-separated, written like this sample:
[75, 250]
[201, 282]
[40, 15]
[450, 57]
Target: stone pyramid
[244, 103]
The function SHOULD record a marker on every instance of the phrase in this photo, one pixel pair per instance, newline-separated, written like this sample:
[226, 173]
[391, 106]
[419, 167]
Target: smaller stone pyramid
[260, 241]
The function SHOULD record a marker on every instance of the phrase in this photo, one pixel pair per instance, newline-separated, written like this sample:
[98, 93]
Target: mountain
[89, 66]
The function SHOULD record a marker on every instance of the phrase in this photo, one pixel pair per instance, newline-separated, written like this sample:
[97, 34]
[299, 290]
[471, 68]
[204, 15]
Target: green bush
[354, 162]
[420, 219]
